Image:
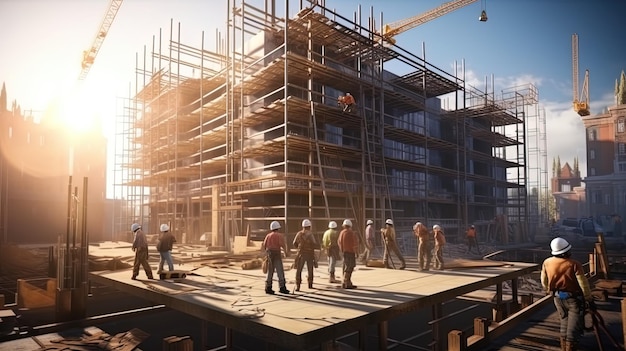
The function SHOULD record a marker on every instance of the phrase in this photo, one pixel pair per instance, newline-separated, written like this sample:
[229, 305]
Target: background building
[606, 165]
[36, 161]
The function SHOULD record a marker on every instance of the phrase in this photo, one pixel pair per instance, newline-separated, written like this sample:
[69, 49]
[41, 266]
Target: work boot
[348, 280]
[332, 278]
[269, 291]
[284, 290]
[298, 285]
[310, 284]
[562, 339]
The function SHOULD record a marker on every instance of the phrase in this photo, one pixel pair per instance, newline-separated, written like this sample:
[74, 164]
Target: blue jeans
[571, 311]
[166, 256]
[275, 263]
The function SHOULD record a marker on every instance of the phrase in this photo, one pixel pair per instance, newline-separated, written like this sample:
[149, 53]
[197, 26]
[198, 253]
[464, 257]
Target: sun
[75, 111]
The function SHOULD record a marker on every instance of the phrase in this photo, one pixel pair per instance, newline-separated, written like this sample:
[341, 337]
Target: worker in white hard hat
[306, 244]
[164, 247]
[329, 244]
[272, 244]
[140, 247]
[564, 278]
[369, 241]
[389, 239]
[440, 242]
[348, 244]
[424, 252]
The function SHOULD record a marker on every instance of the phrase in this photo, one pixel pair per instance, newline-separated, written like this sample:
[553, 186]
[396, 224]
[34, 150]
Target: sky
[523, 42]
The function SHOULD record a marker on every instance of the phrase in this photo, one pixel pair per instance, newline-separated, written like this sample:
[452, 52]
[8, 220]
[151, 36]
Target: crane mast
[89, 56]
[401, 26]
[581, 102]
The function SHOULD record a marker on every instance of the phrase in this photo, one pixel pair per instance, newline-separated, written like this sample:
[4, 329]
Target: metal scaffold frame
[221, 142]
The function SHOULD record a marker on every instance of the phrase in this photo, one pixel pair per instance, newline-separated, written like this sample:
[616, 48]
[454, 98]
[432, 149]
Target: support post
[383, 333]
[457, 341]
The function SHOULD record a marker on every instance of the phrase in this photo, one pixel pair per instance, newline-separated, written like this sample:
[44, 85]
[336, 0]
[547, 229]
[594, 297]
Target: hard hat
[332, 224]
[347, 223]
[165, 228]
[348, 94]
[472, 226]
[559, 246]
[306, 223]
[134, 227]
[369, 221]
[274, 225]
[436, 227]
[389, 221]
[417, 225]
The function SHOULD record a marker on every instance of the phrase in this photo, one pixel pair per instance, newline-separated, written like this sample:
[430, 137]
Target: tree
[576, 170]
[558, 166]
[553, 167]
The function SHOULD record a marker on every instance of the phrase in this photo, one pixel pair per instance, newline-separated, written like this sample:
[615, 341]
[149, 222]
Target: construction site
[260, 136]
[217, 143]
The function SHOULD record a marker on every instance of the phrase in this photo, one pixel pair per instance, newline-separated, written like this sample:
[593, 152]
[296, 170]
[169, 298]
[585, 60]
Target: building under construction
[220, 142]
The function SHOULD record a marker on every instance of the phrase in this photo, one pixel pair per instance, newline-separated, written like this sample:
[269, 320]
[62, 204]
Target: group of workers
[343, 243]
[561, 276]
[140, 247]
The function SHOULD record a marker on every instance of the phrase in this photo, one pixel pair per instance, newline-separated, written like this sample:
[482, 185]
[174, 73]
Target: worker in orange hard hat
[347, 102]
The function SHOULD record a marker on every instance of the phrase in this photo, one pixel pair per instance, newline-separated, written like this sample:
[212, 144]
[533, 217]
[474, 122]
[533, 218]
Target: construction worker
[369, 241]
[424, 253]
[564, 278]
[273, 242]
[329, 243]
[164, 247]
[305, 243]
[471, 239]
[440, 241]
[140, 247]
[389, 240]
[347, 102]
[348, 244]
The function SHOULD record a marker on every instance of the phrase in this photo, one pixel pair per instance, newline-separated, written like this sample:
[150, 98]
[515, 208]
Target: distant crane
[392, 29]
[89, 56]
[581, 106]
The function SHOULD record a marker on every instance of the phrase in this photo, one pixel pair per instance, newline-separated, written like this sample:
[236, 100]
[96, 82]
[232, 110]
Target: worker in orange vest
[471, 239]
[347, 102]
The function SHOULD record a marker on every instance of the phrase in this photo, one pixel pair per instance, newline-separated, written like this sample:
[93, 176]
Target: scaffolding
[221, 142]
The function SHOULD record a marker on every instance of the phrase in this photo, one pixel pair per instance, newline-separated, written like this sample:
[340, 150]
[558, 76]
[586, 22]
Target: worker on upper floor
[346, 102]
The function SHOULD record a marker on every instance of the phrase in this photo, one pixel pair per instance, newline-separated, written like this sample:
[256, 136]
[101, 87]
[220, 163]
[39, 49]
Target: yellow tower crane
[89, 56]
[581, 106]
[392, 29]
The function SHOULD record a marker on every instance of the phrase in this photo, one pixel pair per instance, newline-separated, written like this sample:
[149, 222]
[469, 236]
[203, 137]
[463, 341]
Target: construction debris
[126, 341]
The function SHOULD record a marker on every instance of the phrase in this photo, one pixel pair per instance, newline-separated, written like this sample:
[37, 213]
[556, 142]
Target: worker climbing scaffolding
[346, 102]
